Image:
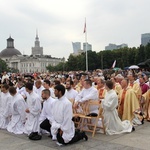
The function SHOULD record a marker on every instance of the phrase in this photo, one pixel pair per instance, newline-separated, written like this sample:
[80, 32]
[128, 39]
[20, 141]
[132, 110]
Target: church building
[36, 62]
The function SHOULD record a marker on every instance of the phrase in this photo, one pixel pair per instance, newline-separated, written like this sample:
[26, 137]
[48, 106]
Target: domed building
[10, 50]
[36, 62]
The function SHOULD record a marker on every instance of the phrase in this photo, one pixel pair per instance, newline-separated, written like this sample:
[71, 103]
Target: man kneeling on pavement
[62, 127]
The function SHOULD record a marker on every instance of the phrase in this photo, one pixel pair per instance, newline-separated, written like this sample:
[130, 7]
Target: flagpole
[85, 31]
[102, 60]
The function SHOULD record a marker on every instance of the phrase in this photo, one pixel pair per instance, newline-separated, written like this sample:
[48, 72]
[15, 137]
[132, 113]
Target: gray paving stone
[110, 146]
[138, 140]
[74, 147]
[103, 137]
[135, 140]
[92, 142]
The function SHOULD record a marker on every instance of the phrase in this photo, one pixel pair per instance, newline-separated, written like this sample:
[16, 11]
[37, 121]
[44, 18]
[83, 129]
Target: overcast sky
[61, 22]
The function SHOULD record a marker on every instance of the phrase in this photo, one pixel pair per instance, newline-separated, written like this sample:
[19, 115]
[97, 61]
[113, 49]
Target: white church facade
[36, 62]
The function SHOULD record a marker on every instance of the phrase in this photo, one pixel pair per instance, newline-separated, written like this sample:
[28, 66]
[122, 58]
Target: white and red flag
[114, 64]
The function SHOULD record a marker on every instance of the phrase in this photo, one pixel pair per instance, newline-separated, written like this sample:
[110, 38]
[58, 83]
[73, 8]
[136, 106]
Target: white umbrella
[134, 67]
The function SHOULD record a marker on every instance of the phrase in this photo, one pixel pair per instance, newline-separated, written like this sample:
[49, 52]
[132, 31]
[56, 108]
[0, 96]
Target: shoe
[32, 134]
[133, 129]
[59, 144]
[84, 136]
[36, 137]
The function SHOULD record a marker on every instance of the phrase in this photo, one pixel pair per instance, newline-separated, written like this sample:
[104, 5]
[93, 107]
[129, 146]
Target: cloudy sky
[61, 22]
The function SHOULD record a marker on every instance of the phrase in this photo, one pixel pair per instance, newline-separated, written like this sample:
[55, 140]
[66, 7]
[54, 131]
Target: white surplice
[39, 91]
[22, 91]
[34, 106]
[71, 94]
[18, 107]
[47, 110]
[5, 102]
[62, 118]
[52, 92]
[112, 121]
[88, 94]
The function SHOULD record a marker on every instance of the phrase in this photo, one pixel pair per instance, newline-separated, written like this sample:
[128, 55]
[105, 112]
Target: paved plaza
[137, 140]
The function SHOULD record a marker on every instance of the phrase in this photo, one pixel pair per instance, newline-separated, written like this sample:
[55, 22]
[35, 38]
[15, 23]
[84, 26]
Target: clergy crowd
[40, 104]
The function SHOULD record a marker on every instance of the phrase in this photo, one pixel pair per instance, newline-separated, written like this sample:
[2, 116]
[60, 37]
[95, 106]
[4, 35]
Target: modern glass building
[145, 38]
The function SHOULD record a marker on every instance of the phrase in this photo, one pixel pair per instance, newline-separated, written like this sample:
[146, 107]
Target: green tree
[147, 51]
[50, 68]
[81, 62]
[60, 67]
[92, 60]
[3, 66]
[131, 56]
[100, 59]
[140, 54]
[104, 59]
[108, 59]
[72, 63]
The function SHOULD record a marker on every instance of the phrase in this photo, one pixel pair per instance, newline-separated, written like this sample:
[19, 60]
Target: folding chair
[72, 101]
[87, 117]
[78, 113]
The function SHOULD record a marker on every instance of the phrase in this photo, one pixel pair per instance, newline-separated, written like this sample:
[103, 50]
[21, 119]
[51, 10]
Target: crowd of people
[40, 103]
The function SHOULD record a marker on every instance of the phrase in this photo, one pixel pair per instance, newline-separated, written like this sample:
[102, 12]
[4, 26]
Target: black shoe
[133, 129]
[84, 136]
[36, 137]
[32, 134]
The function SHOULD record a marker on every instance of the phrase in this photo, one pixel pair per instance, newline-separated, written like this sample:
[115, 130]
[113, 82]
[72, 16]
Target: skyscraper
[76, 47]
[89, 47]
[145, 39]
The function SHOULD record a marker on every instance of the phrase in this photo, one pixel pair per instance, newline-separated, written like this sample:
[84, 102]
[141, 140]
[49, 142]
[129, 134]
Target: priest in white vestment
[46, 116]
[88, 93]
[70, 92]
[5, 102]
[39, 88]
[33, 111]
[18, 107]
[47, 85]
[112, 122]
[62, 125]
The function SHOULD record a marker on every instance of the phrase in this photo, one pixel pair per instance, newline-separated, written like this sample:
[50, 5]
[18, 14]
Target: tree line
[124, 57]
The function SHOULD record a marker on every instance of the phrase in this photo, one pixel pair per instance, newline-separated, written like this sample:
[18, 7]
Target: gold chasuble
[121, 104]
[129, 103]
[137, 89]
[117, 88]
[146, 107]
